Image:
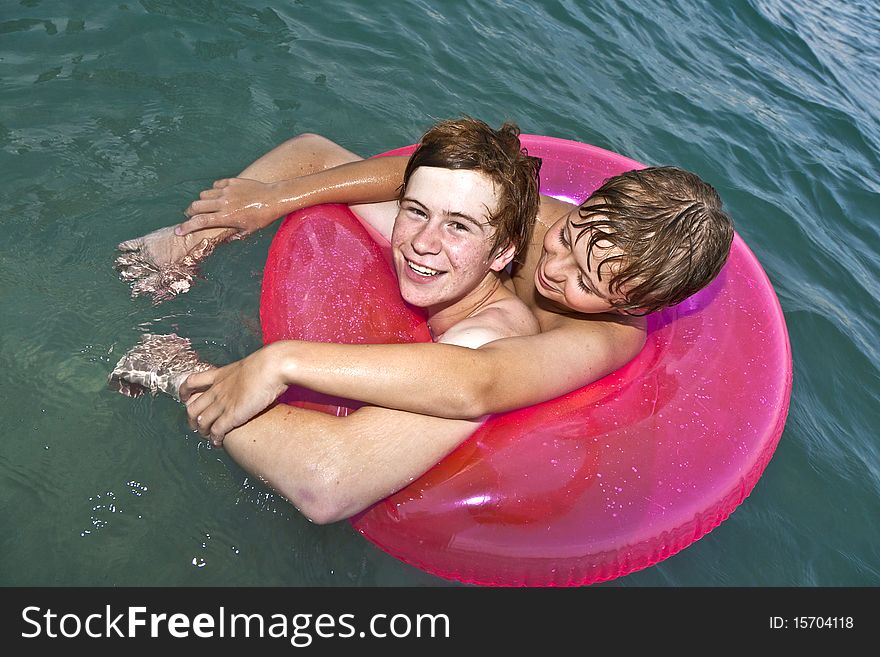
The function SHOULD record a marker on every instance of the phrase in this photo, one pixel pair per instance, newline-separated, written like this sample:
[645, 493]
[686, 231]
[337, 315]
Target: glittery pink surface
[610, 478]
[326, 280]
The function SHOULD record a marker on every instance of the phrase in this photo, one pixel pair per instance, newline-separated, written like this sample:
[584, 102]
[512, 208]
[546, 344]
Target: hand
[163, 264]
[232, 395]
[240, 203]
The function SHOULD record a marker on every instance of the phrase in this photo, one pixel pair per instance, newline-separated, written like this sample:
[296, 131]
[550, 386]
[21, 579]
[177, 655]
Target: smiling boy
[467, 206]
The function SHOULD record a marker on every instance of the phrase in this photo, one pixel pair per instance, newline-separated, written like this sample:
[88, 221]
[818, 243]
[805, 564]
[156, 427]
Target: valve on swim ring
[598, 483]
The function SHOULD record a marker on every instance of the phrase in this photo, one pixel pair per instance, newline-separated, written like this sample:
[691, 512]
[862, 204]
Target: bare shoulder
[571, 351]
[552, 208]
[506, 318]
[378, 218]
[611, 337]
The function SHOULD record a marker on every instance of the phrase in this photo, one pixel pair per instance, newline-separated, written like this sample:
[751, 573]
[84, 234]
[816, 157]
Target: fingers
[204, 206]
[191, 225]
[206, 411]
[217, 432]
[210, 211]
[194, 409]
[206, 415]
[196, 383]
[204, 213]
[198, 222]
[199, 398]
[212, 220]
[205, 421]
[214, 192]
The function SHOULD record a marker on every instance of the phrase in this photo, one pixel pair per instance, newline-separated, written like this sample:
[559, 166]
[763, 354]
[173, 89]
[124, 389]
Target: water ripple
[117, 114]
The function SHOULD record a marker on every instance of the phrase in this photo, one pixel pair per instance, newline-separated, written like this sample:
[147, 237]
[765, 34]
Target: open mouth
[421, 270]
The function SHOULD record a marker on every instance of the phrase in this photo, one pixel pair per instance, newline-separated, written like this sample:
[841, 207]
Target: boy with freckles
[467, 205]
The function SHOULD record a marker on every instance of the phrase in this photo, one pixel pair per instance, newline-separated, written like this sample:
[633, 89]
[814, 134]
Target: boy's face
[442, 240]
[562, 274]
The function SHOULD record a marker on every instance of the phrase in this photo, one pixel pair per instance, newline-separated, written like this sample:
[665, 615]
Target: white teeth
[424, 271]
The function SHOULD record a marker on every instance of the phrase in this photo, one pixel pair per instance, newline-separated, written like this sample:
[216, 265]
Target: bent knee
[327, 507]
[321, 151]
[322, 494]
[312, 139]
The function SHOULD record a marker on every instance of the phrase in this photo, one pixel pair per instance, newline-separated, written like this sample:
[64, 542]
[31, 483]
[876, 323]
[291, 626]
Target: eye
[581, 286]
[460, 227]
[562, 239]
[415, 210]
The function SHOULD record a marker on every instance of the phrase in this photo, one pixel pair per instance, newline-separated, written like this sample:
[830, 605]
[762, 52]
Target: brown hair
[671, 232]
[468, 143]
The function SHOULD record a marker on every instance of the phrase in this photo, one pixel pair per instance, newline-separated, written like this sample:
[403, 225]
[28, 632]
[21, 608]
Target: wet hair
[470, 144]
[670, 231]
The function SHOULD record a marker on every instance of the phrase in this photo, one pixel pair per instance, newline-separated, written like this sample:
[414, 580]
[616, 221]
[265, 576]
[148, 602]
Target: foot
[158, 363]
[163, 264]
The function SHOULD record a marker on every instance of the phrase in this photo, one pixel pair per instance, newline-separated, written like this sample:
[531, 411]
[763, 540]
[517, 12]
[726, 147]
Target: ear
[503, 257]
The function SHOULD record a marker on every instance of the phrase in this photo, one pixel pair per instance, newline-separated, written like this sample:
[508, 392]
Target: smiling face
[442, 240]
[563, 274]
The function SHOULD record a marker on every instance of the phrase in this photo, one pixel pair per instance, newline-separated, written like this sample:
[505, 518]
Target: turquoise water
[114, 115]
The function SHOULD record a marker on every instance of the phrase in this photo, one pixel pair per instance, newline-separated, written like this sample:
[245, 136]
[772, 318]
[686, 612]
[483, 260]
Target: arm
[165, 262]
[434, 379]
[457, 382]
[249, 205]
[333, 467]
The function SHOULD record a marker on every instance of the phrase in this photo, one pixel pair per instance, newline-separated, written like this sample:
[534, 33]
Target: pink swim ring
[596, 484]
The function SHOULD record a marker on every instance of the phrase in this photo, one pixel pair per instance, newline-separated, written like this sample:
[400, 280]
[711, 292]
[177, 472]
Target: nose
[554, 256]
[553, 269]
[426, 239]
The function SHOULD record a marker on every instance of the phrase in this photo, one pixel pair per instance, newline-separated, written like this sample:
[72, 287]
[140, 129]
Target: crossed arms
[333, 467]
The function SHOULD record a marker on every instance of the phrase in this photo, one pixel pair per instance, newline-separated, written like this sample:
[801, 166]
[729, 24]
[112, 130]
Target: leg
[164, 263]
[333, 467]
[309, 153]
[328, 467]
[262, 190]
[302, 155]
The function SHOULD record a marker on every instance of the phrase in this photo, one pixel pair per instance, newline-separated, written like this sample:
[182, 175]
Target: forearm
[435, 379]
[457, 382]
[364, 181]
[333, 467]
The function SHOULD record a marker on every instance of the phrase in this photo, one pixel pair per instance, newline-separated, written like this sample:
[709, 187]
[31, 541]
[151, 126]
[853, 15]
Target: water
[114, 115]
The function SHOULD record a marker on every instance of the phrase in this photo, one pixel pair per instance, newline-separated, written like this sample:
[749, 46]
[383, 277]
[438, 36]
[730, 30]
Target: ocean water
[113, 115]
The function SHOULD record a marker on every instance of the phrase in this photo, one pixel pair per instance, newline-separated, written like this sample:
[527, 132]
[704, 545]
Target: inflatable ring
[601, 482]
